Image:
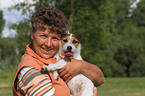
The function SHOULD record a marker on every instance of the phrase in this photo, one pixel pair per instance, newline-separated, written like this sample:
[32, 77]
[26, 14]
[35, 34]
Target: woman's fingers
[62, 57]
[68, 79]
[65, 58]
[95, 91]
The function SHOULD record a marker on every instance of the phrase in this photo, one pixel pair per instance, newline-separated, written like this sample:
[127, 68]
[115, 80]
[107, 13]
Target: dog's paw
[43, 68]
[48, 68]
[56, 75]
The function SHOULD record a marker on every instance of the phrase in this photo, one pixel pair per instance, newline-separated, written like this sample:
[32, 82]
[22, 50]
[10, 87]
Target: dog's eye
[74, 41]
[65, 40]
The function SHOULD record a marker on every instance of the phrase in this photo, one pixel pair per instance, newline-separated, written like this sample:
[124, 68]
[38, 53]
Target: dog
[70, 47]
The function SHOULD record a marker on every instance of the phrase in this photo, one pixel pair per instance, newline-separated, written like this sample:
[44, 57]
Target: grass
[112, 86]
[6, 82]
[123, 87]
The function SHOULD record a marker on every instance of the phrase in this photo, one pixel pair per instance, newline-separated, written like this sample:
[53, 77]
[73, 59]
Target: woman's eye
[74, 41]
[65, 40]
[55, 38]
[43, 35]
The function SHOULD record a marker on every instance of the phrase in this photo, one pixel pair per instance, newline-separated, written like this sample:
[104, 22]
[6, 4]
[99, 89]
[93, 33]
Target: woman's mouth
[47, 50]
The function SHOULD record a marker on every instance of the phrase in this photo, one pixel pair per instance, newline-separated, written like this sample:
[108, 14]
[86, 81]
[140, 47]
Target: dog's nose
[69, 48]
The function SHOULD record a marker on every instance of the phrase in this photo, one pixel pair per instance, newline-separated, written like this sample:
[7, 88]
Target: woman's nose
[48, 42]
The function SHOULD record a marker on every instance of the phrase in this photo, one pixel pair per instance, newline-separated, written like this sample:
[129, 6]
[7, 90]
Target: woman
[47, 26]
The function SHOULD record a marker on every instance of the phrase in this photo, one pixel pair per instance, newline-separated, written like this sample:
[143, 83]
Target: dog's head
[70, 43]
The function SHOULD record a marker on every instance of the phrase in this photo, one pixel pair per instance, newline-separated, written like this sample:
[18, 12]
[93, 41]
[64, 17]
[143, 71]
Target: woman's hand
[95, 91]
[75, 67]
[71, 69]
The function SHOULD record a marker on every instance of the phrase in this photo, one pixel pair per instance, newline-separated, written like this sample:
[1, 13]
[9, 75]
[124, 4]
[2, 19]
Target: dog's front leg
[58, 65]
[54, 67]
[55, 74]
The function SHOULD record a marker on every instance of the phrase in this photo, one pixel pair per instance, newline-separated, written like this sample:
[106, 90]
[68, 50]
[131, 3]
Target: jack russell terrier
[70, 47]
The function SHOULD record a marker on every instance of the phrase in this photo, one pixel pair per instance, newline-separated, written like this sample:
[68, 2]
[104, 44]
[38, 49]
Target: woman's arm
[33, 82]
[75, 67]
[94, 73]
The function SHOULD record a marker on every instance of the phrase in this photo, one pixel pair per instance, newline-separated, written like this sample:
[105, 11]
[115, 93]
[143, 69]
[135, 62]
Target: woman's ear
[32, 33]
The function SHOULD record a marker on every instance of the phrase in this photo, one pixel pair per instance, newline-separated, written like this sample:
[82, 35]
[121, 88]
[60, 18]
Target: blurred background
[113, 39]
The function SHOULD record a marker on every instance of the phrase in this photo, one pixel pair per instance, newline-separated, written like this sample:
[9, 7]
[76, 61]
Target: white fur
[79, 85]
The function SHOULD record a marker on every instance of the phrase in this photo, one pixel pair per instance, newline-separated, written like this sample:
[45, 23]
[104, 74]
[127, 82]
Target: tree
[137, 19]
[2, 22]
[93, 20]
[90, 19]
[110, 34]
[23, 35]
[7, 52]
[7, 48]
[23, 28]
[127, 44]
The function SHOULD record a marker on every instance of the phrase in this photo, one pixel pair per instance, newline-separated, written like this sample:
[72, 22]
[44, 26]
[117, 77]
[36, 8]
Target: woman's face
[45, 43]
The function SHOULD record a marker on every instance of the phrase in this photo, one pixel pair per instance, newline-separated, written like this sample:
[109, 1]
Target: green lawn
[6, 81]
[112, 86]
[123, 87]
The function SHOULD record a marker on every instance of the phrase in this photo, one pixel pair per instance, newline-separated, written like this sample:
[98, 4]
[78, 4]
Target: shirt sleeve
[33, 82]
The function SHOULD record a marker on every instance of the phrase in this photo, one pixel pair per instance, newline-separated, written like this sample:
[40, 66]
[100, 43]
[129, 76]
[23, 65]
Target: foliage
[2, 22]
[23, 28]
[7, 48]
[23, 35]
[138, 17]
[93, 20]
[127, 46]
[113, 36]
[8, 56]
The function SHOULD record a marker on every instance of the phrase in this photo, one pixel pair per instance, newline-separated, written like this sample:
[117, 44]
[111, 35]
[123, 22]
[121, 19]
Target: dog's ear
[79, 37]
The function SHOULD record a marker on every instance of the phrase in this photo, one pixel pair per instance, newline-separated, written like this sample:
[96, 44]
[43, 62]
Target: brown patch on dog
[79, 37]
[75, 41]
[65, 39]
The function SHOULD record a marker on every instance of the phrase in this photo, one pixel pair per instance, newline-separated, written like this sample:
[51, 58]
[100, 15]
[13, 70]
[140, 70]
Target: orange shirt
[30, 58]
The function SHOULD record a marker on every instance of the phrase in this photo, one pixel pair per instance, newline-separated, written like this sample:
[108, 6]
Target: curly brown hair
[51, 17]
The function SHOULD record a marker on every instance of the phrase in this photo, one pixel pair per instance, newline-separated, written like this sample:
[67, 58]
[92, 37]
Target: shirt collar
[29, 51]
